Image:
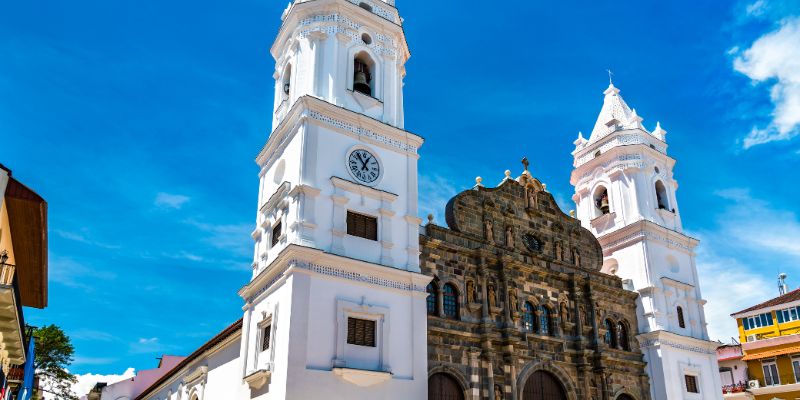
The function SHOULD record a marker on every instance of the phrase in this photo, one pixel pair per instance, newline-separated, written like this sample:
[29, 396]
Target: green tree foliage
[54, 352]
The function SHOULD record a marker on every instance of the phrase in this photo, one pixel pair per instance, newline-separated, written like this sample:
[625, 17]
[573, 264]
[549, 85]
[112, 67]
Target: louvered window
[265, 336]
[362, 226]
[691, 384]
[681, 321]
[276, 234]
[361, 332]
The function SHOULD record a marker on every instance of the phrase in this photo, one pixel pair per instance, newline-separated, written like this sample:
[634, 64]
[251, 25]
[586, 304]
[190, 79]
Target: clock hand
[364, 164]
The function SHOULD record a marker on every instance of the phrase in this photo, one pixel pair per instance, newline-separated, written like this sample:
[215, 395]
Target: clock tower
[625, 193]
[336, 303]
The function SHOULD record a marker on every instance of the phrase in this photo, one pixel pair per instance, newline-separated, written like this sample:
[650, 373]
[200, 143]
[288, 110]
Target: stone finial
[430, 218]
[544, 187]
[508, 174]
[572, 213]
[478, 181]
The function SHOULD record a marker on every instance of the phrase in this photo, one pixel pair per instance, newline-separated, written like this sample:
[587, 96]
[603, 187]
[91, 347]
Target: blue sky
[139, 123]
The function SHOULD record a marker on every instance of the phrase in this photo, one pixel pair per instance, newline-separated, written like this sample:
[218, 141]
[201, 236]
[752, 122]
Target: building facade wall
[538, 255]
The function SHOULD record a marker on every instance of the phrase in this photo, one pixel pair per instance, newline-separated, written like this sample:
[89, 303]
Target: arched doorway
[443, 387]
[542, 385]
[624, 397]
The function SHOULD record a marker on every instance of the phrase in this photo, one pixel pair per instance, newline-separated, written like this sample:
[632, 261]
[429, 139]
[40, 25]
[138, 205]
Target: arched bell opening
[363, 67]
[661, 196]
[602, 204]
[286, 82]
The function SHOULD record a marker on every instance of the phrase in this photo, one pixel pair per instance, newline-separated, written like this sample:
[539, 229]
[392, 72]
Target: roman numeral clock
[364, 166]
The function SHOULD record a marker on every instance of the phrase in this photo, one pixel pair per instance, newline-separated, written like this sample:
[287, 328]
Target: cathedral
[352, 296]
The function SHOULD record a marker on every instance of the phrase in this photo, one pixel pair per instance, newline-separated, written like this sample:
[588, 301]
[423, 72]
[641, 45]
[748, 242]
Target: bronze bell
[361, 84]
[604, 205]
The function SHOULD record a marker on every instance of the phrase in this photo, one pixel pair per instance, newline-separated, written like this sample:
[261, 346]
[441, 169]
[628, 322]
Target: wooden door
[543, 386]
[443, 387]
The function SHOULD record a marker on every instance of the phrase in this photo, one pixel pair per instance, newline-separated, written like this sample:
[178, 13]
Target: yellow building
[770, 337]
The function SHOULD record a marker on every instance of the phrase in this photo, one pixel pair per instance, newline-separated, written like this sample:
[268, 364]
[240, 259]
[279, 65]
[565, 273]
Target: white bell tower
[336, 303]
[625, 194]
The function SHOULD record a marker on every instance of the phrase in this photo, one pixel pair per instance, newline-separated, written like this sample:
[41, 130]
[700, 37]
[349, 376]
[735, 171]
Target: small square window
[362, 226]
[266, 332]
[361, 332]
[691, 384]
[276, 233]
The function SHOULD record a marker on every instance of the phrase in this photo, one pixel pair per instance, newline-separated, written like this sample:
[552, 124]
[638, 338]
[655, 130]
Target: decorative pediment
[521, 216]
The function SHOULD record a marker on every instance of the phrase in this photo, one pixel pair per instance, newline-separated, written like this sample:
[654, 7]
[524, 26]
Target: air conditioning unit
[752, 338]
[753, 385]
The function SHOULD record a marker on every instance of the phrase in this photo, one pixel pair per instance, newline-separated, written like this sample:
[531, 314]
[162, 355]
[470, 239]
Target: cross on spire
[525, 162]
[610, 74]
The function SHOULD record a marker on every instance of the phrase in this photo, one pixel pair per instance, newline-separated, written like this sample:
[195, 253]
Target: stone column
[474, 374]
[339, 223]
[317, 42]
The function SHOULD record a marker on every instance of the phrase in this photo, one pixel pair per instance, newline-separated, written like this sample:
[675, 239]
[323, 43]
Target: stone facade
[512, 245]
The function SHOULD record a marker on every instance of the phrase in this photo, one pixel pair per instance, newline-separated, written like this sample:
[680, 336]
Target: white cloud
[87, 381]
[775, 58]
[757, 8]
[720, 278]
[434, 193]
[170, 201]
[754, 224]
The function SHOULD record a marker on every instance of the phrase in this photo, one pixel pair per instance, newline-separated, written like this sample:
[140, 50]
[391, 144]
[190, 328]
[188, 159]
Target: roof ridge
[232, 328]
[787, 297]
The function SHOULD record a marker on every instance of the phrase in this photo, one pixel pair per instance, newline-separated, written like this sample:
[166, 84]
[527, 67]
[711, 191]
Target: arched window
[610, 337]
[528, 317]
[622, 336]
[365, 6]
[450, 301]
[362, 74]
[544, 320]
[681, 321]
[601, 202]
[433, 304]
[661, 196]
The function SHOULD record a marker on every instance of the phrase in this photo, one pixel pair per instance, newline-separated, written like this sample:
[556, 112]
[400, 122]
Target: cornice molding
[337, 16]
[642, 230]
[339, 119]
[295, 258]
[687, 343]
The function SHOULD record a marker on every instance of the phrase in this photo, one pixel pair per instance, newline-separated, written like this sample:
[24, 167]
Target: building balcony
[12, 324]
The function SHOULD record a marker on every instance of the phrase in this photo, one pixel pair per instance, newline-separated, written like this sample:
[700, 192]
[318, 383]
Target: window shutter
[362, 226]
[361, 332]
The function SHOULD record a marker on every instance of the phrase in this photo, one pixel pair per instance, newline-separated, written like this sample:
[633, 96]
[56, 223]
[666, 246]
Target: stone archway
[568, 388]
[625, 397]
[542, 385]
[443, 386]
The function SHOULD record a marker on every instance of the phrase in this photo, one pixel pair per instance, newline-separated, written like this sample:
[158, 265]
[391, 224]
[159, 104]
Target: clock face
[364, 166]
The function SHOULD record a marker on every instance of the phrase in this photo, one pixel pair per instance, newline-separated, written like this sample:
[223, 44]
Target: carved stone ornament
[470, 292]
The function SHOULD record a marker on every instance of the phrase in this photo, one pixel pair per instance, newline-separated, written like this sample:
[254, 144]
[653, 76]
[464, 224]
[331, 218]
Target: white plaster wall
[278, 300]
[738, 373]
[314, 340]
[224, 379]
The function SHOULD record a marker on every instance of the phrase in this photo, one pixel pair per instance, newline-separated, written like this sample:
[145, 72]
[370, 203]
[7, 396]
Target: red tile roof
[794, 295]
[230, 330]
